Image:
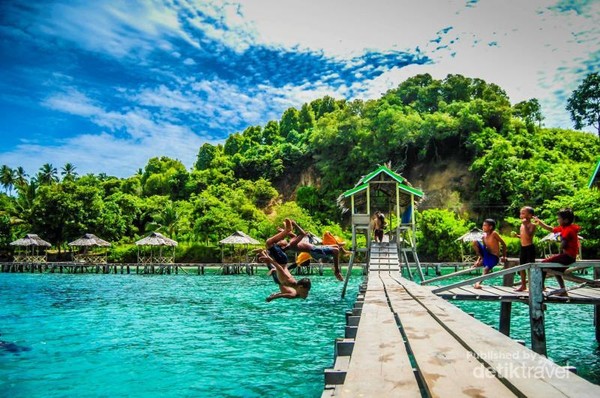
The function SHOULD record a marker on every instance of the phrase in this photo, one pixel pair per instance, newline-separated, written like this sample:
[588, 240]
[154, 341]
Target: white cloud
[528, 48]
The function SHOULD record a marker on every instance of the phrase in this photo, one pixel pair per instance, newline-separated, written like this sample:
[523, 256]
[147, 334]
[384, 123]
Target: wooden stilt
[506, 306]
[536, 311]
[597, 308]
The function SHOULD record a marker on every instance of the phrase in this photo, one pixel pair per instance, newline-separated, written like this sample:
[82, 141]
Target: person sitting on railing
[569, 244]
[488, 250]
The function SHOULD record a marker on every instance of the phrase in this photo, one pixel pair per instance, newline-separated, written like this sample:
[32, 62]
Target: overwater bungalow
[90, 250]
[238, 238]
[156, 249]
[30, 249]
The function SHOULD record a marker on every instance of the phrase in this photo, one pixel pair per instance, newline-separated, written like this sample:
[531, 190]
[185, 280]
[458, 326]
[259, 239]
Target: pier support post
[597, 308]
[506, 306]
[536, 311]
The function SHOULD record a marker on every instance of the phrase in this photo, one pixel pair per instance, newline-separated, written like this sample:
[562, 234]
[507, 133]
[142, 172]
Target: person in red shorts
[569, 243]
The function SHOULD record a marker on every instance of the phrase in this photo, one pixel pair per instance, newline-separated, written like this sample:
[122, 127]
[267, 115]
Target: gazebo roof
[473, 235]
[30, 240]
[239, 238]
[382, 173]
[156, 239]
[89, 240]
[381, 180]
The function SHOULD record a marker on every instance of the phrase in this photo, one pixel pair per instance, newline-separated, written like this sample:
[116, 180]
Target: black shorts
[278, 254]
[527, 254]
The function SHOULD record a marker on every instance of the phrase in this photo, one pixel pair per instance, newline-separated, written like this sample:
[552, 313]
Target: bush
[437, 233]
[197, 253]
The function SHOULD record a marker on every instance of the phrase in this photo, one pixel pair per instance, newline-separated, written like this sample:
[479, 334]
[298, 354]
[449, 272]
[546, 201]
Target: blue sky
[106, 85]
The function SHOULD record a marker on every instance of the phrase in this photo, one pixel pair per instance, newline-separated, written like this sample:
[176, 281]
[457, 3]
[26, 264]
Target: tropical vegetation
[298, 166]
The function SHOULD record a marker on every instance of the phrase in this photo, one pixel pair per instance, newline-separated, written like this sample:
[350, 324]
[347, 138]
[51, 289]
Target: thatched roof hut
[547, 242]
[156, 240]
[89, 240]
[92, 249]
[30, 249]
[473, 235]
[31, 240]
[239, 238]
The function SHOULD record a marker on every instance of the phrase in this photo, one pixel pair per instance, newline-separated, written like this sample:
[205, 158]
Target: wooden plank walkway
[411, 342]
[584, 295]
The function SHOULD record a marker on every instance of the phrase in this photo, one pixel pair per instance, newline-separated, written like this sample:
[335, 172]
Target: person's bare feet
[477, 286]
[521, 289]
[288, 224]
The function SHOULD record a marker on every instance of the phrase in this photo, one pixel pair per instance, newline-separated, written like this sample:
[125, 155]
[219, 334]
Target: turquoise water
[166, 335]
[570, 334]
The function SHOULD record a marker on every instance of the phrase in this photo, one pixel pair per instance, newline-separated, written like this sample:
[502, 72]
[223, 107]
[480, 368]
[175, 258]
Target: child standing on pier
[569, 244]
[488, 250]
[527, 253]
[378, 226]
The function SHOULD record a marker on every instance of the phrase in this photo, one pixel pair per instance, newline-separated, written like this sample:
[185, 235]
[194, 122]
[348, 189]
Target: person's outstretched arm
[287, 295]
[542, 224]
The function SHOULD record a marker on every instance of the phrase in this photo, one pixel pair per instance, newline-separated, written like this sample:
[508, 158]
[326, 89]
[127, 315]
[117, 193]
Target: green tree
[47, 174]
[290, 121]
[306, 118]
[530, 111]
[584, 103]
[68, 172]
[7, 178]
[206, 155]
[437, 233]
[20, 176]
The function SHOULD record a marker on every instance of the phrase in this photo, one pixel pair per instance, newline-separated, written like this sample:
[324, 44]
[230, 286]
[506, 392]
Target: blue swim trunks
[278, 254]
[321, 252]
[489, 260]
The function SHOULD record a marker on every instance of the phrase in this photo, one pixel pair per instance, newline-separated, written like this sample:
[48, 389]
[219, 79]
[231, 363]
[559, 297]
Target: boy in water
[527, 253]
[289, 288]
[488, 250]
[569, 244]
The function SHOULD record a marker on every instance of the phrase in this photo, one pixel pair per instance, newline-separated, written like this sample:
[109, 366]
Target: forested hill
[460, 140]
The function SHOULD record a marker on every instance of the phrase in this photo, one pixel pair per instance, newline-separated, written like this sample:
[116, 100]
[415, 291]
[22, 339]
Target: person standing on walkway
[525, 235]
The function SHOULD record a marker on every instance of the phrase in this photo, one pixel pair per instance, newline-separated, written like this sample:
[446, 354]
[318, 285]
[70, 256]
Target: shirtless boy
[289, 288]
[488, 251]
[526, 233]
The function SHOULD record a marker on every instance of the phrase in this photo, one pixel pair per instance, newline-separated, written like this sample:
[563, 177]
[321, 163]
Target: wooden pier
[140, 268]
[401, 339]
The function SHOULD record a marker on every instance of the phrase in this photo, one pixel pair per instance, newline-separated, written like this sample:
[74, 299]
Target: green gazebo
[380, 190]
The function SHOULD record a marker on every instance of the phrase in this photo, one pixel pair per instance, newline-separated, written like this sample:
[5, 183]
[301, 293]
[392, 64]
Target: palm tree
[165, 221]
[7, 178]
[24, 201]
[68, 172]
[47, 174]
[20, 176]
